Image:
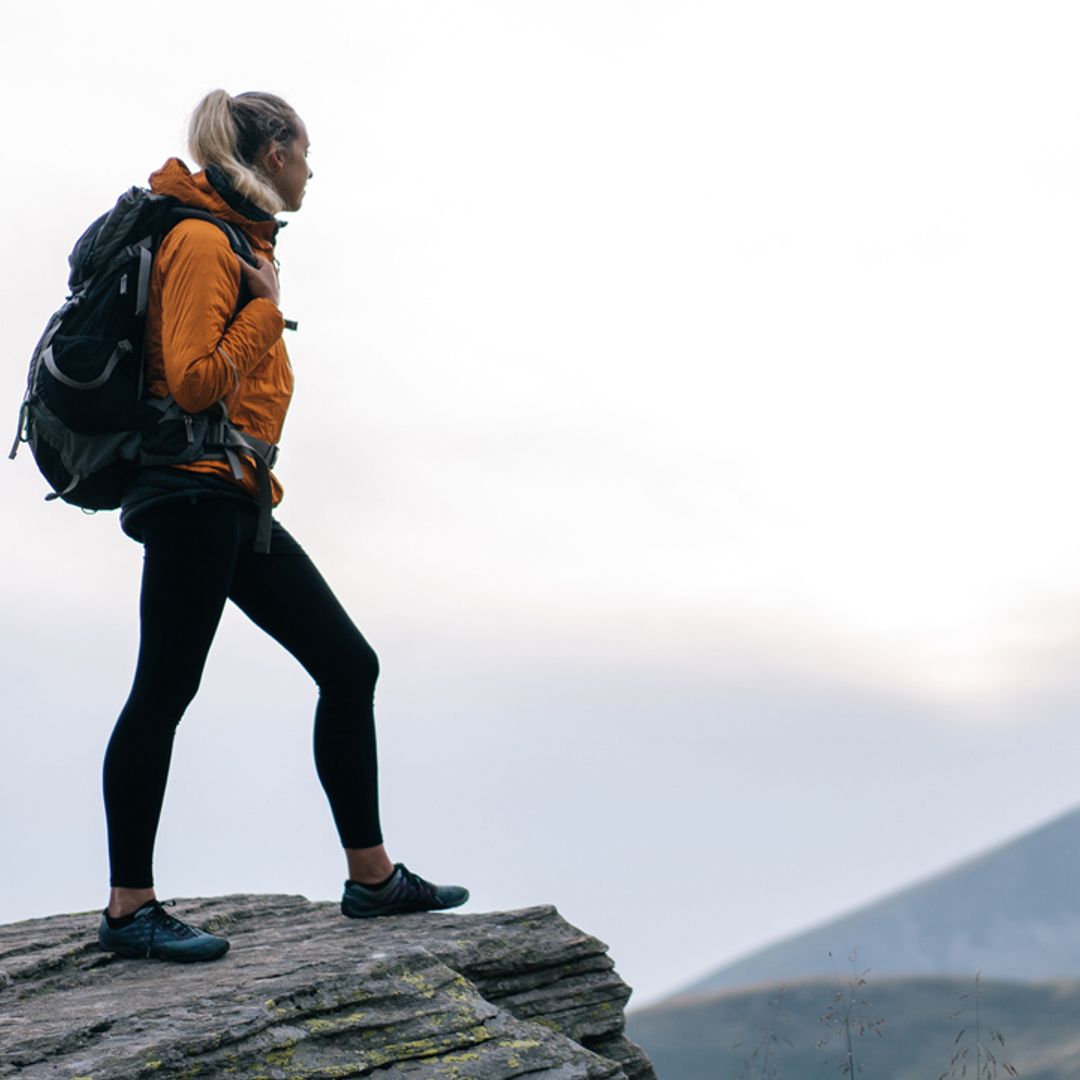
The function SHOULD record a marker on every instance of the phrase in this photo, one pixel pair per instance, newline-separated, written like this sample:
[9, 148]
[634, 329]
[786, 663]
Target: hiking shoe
[154, 933]
[405, 891]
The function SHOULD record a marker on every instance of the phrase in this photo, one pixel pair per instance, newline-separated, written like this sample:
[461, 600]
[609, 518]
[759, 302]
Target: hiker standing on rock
[213, 339]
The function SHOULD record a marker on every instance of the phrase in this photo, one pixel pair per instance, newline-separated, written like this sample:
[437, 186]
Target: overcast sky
[686, 411]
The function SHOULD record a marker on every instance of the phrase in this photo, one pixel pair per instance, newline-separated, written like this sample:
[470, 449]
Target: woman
[209, 342]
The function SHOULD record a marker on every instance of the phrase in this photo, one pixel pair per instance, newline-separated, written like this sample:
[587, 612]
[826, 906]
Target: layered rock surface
[307, 995]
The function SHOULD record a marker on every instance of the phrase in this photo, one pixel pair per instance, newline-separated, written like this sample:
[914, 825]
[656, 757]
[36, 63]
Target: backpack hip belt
[212, 436]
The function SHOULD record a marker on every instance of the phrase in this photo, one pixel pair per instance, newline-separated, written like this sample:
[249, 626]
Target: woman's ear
[273, 158]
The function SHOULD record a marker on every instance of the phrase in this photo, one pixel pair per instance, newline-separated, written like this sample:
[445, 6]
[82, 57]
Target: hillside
[724, 1035]
[1011, 913]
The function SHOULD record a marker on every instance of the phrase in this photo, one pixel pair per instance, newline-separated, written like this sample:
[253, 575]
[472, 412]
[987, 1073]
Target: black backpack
[84, 415]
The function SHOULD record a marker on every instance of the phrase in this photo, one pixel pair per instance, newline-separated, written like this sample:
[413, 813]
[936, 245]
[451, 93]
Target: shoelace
[418, 883]
[159, 917]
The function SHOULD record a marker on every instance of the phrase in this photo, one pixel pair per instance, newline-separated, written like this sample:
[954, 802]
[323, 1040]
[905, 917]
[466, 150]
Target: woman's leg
[285, 595]
[190, 555]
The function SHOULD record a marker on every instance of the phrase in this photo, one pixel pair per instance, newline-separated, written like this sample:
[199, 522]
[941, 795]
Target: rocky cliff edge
[305, 994]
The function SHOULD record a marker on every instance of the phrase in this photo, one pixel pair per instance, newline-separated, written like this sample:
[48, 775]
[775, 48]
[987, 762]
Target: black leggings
[198, 555]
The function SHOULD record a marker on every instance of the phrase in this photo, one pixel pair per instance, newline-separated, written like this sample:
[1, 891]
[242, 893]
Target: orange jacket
[195, 349]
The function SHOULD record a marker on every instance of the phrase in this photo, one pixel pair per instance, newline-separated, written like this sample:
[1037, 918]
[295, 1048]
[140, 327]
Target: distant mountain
[725, 1035]
[1012, 913]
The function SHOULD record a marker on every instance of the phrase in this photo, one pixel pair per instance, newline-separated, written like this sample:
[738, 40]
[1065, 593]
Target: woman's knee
[363, 665]
[352, 668]
[159, 704]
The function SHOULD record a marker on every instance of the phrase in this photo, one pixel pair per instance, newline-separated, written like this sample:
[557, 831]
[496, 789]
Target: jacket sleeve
[205, 356]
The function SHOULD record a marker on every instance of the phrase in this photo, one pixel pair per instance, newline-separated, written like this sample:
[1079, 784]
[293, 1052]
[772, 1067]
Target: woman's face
[288, 171]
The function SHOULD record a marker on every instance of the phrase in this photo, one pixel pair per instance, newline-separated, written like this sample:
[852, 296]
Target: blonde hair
[229, 132]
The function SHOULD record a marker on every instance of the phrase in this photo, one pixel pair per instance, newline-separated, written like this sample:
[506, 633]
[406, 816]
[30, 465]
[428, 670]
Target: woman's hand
[262, 280]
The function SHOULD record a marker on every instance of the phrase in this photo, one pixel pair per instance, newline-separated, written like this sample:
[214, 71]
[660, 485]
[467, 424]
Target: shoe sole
[399, 910]
[135, 954]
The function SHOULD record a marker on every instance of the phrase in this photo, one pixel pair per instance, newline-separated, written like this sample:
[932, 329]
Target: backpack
[84, 415]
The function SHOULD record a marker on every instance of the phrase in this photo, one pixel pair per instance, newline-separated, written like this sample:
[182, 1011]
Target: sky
[686, 412]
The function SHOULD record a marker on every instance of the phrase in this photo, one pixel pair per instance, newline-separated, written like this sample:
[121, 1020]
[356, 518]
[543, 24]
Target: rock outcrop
[304, 993]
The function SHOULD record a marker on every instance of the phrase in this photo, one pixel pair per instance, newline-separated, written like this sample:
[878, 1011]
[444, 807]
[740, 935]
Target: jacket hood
[176, 179]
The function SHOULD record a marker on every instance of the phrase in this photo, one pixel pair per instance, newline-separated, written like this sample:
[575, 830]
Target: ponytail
[229, 132]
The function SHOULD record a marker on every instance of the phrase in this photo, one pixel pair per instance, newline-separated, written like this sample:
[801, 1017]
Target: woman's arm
[205, 354]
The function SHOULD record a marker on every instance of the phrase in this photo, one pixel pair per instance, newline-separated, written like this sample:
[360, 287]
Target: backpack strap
[238, 241]
[237, 238]
[234, 444]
